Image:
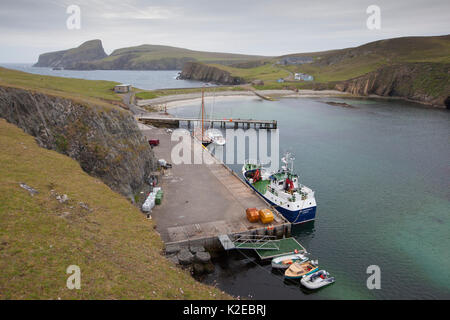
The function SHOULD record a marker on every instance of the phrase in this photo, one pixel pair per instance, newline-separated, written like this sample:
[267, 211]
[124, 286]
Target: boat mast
[203, 108]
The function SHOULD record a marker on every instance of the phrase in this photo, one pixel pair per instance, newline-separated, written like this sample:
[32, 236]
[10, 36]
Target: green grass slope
[158, 57]
[353, 62]
[344, 64]
[148, 52]
[94, 91]
[116, 248]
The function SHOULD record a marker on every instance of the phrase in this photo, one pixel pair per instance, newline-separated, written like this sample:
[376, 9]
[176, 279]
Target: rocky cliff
[105, 141]
[88, 51]
[423, 82]
[203, 72]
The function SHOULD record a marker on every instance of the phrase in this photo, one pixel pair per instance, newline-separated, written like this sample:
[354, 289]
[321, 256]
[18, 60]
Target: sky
[29, 28]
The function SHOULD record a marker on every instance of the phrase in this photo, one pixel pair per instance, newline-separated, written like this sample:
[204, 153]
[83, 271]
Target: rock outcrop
[106, 141]
[427, 83]
[88, 51]
[206, 73]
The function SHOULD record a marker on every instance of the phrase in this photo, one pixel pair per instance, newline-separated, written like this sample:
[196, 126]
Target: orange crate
[252, 214]
[266, 216]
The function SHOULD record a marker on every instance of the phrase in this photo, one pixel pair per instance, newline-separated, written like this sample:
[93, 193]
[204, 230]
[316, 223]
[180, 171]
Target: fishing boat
[299, 270]
[286, 261]
[216, 137]
[282, 189]
[317, 280]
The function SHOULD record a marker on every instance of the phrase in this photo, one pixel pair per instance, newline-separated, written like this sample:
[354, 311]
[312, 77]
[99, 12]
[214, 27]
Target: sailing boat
[200, 133]
[215, 134]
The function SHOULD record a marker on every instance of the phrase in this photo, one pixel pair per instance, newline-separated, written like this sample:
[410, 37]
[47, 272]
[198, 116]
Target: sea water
[145, 79]
[381, 175]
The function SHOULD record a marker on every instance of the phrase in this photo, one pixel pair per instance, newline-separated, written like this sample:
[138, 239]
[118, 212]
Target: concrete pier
[203, 201]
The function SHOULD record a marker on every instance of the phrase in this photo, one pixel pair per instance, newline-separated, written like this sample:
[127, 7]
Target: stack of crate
[252, 214]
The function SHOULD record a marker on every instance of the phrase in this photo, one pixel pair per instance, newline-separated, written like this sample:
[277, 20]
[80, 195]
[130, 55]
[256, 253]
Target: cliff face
[423, 82]
[106, 142]
[88, 51]
[203, 72]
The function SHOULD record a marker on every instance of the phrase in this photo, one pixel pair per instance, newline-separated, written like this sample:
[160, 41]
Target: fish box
[252, 214]
[266, 216]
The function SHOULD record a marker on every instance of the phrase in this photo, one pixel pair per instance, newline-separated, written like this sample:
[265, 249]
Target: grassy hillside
[267, 71]
[155, 52]
[143, 57]
[116, 248]
[95, 91]
[144, 94]
[344, 64]
[353, 62]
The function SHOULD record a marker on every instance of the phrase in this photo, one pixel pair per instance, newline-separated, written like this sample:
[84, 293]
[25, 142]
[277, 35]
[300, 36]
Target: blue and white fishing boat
[282, 189]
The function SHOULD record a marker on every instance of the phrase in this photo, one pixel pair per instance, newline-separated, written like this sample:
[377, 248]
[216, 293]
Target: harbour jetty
[175, 122]
[205, 201]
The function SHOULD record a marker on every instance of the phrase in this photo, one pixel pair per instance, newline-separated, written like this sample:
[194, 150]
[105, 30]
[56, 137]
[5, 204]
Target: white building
[303, 76]
[122, 88]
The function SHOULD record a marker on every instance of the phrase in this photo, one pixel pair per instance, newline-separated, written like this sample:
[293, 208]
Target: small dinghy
[285, 262]
[317, 280]
[298, 270]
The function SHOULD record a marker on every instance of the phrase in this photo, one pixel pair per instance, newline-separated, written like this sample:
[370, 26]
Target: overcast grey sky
[28, 28]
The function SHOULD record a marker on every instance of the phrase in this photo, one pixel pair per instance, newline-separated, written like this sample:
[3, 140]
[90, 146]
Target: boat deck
[261, 186]
[286, 246]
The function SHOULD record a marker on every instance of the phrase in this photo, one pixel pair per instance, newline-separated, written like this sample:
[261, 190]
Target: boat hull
[277, 263]
[317, 283]
[294, 217]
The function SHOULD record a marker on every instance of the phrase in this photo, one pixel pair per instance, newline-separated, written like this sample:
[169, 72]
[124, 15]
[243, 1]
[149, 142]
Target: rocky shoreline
[194, 258]
[425, 83]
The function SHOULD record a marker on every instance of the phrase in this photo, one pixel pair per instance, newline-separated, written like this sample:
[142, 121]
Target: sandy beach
[193, 98]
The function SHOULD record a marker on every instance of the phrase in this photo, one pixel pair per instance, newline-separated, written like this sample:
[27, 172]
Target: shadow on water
[304, 229]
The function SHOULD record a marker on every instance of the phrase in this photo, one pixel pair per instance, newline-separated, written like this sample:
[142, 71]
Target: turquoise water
[381, 173]
[140, 79]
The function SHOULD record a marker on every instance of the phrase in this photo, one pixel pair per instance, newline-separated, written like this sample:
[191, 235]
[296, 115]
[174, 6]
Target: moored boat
[286, 261]
[317, 280]
[200, 133]
[216, 136]
[282, 189]
[299, 270]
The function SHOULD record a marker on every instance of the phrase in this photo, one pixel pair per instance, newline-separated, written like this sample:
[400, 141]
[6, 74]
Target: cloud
[263, 27]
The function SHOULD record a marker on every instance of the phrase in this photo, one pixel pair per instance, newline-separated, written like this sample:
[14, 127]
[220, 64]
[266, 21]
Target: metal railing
[257, 242]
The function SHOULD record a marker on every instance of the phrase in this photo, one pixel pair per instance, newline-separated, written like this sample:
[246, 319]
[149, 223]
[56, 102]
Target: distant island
[91, 56]
[414, 68]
